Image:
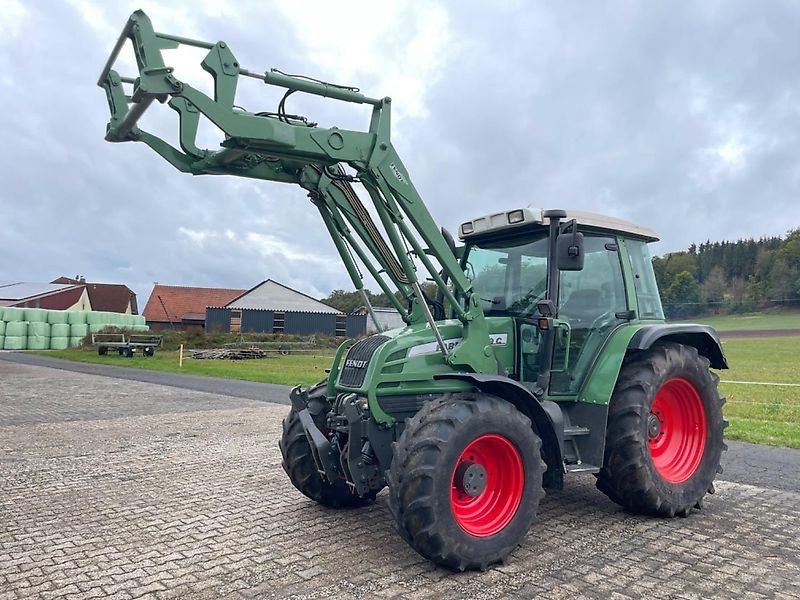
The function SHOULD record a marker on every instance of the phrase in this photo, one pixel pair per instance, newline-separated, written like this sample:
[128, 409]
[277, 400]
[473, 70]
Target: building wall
[82, 303]
[290, 323]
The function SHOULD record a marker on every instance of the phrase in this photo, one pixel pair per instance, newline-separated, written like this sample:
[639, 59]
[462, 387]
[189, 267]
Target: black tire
[121, 351]
[102, 350]
[648, 468]
[424, 487]
[299, 465]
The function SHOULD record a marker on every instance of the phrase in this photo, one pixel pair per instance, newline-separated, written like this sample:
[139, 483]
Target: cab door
[592, 302]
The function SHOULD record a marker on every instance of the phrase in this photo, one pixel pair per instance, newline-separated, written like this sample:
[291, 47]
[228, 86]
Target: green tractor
[542, 352]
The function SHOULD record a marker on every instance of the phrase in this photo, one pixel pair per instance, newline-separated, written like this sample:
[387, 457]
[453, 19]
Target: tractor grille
[357, 360]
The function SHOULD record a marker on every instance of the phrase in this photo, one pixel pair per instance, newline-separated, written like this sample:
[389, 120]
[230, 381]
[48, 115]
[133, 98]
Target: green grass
[757, 413]
[751, 321]
[293, 369]
[763, 414]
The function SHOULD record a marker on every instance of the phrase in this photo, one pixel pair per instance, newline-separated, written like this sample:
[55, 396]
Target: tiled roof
[111, 297]
[181, 301]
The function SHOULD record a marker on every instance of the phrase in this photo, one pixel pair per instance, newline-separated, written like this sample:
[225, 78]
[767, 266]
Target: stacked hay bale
[40, 329]
[78, 328]
[16, 329]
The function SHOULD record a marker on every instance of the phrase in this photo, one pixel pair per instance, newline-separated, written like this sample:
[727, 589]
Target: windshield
[509, 276]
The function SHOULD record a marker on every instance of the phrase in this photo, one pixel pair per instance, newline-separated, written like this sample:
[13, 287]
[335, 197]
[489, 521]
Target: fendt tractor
[542, 352]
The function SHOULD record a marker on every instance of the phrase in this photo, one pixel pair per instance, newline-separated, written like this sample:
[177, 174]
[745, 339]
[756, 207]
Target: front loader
[543, 353]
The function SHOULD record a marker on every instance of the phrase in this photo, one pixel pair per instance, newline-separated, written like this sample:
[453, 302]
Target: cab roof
[521, 217]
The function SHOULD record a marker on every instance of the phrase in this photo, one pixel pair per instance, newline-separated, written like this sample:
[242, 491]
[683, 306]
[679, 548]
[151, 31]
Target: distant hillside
[730, 276]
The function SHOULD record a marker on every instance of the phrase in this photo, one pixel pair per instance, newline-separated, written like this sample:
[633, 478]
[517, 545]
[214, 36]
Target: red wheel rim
[495, 505]
[676, 430]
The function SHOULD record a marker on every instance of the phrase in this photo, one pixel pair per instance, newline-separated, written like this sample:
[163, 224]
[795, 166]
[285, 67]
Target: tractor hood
[404, 360]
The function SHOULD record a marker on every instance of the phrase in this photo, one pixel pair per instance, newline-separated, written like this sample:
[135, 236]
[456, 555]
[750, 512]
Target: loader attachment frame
[289, 149]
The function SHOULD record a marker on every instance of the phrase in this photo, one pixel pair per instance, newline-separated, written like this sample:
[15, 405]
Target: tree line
[713, 277]
[730, 276]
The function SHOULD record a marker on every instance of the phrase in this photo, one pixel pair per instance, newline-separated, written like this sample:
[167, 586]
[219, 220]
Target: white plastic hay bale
[2, 327]
[13, 314]
[58, 317]
[36, 315]
[140, 328]
[38, 329]
[97, 317]
[15, 342]
[60, 330]
[17, 329]
[139, 320]
[76, 342]
[79, 330]
[38, 342]
[59, 343]
[76, 317]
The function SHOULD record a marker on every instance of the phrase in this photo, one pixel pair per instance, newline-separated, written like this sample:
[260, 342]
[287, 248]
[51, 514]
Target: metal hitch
[320, 445]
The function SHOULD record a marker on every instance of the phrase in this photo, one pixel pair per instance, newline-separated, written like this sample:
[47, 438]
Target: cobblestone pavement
[126, 489]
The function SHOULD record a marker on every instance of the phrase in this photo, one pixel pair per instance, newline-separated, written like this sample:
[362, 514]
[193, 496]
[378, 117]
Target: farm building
[180, 307]
[44, 295]
[388, 318]
[108, 297]
[271, 307]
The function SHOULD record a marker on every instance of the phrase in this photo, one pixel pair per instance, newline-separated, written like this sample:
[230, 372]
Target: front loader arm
[289, 149]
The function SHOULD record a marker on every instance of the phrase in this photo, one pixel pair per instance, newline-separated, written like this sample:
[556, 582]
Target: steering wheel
[530, 302]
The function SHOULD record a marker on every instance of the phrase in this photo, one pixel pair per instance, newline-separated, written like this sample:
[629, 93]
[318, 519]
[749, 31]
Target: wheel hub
[653, 426]
[470, 478]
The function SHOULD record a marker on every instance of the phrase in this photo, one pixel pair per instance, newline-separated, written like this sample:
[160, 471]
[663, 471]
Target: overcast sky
[684, 117]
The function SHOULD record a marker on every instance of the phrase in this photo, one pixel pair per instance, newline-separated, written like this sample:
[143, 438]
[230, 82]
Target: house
[109, 297]
[180, 307]
[44, 295]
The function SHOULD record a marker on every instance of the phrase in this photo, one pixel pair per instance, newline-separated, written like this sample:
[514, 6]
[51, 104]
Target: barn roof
[181, 301]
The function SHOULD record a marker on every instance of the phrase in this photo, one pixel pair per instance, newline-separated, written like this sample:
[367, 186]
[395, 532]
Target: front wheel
[664, 437]
[466, 480]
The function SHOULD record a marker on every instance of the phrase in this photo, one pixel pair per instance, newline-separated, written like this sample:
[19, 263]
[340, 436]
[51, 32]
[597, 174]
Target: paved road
[745, 463]
[132, 489]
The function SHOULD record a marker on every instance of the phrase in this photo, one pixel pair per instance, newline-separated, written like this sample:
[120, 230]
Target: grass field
[304, 369]
[765, 414]
[751, 321]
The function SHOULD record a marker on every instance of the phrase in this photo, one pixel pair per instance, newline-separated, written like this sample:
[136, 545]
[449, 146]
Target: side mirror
[569, 251]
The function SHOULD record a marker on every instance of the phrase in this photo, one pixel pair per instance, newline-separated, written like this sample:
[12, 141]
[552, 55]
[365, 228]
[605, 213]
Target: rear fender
[546, 417]
[702, 337]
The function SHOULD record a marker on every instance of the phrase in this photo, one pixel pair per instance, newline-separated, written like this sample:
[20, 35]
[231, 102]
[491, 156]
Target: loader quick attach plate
[357, 360]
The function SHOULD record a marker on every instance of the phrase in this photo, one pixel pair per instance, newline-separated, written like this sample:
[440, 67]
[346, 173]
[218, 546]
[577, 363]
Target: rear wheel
[664, 438]
[466, 480]
[299, 464]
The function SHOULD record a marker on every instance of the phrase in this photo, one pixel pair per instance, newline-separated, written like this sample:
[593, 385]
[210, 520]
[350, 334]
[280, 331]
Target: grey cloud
[600, 106]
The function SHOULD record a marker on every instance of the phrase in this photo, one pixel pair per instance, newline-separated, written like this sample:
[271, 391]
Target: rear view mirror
[569, 251]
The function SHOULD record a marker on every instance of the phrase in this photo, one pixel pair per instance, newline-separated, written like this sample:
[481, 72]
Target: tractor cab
[600, 277]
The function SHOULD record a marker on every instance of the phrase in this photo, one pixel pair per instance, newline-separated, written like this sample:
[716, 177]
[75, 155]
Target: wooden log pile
[229, 353]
